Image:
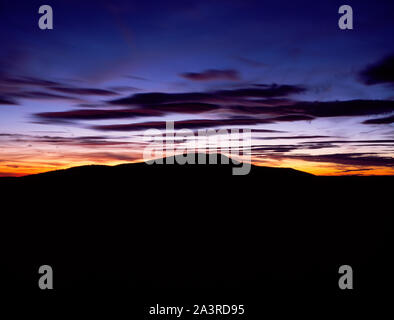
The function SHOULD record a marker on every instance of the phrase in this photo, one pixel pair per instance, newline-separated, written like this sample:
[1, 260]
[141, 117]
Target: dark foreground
[132, 236]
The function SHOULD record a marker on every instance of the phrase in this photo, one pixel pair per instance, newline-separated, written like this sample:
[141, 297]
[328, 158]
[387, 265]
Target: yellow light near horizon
[326, 168]
[316, 168]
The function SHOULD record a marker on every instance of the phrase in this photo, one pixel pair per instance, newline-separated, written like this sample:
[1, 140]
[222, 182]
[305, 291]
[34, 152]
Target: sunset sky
[317, 98]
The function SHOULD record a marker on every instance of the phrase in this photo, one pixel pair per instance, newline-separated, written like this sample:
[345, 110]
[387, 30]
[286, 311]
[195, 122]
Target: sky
[317, 98]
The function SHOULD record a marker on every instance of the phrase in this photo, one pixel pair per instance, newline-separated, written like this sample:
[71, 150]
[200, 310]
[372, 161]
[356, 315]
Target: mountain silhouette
[194, 226]
[223, 166]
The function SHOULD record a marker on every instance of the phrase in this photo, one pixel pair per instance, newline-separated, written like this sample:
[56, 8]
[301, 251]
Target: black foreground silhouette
[196, 231]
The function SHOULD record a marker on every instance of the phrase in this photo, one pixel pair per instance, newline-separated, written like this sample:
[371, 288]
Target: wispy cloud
[379, 72]
[212, 74]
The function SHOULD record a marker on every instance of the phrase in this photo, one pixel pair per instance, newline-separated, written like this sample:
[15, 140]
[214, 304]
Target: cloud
[186, 124]
[43, 95]
[84, 91]
[359, 141]
[379, 72]
[355, 170]
[342, 108]
[86, 141]
[230, 105]
[290, 137]
[97, 114]
[30, 81]
[277, 149]
[160, 98]
[125, 88]
[356, 159]
[7, 101]
[267, 131]
[310, 145]
[386, 120]
[38, 88]
[293, 118]
[108, 156]
[81, 141]
[212, 74]
[262, 91]
[294, 110]
[192, 124]
[186, 107]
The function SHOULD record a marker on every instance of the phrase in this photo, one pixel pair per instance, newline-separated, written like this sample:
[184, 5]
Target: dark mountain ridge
[223, 166]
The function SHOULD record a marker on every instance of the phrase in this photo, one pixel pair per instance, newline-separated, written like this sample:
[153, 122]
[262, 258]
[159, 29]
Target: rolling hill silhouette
[223, 166]
[165, 227]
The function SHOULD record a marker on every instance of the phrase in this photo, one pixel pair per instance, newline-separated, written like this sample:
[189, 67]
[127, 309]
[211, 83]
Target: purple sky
[321, 97]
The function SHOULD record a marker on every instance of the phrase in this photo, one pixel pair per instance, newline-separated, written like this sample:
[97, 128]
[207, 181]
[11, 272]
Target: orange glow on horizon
[316, 168]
